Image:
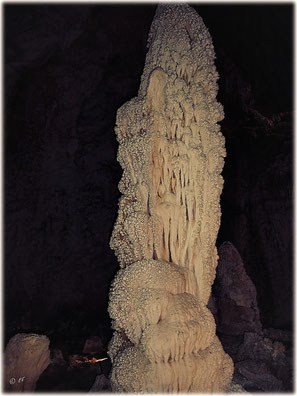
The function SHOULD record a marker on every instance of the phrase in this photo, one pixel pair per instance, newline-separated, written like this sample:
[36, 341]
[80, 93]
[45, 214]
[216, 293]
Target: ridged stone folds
[172, 153]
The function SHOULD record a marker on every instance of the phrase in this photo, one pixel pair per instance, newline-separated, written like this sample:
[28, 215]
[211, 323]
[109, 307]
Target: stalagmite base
[26, 357]
[172, 153]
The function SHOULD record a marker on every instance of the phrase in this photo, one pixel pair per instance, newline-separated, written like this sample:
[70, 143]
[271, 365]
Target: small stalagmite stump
[26, 357]
[172, 153]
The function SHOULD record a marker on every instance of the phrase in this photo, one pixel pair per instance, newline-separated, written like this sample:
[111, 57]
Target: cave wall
[67, 70]
[66, 73]
[257, 195]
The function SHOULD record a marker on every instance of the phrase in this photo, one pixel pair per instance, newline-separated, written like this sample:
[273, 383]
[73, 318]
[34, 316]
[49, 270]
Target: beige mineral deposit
[26, 357]
[172, 154]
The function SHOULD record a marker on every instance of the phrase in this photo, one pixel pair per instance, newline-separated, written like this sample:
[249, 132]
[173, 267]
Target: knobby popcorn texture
[172, 153]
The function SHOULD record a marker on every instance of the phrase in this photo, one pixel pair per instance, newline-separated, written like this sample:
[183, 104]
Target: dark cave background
[67, 69]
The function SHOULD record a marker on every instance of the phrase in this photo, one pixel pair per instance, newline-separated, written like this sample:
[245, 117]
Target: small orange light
[92, 361]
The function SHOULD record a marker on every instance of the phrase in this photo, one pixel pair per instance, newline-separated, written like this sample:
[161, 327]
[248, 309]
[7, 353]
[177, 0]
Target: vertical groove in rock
[171, 150]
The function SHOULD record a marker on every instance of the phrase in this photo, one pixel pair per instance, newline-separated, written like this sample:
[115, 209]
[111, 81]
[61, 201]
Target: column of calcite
[171, 151]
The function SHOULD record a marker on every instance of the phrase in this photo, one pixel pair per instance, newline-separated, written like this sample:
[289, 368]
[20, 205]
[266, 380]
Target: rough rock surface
[57, 357]
[263, 364]
[93, 345]
[278, 335]
[236, 295]
[235, 388]
[255, 376]
[262, 357]
[101, 384]
[26, 357]
[257, 195]
[172, 153]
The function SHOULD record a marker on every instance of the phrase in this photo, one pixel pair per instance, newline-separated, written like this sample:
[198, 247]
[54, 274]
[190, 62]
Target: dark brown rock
[255, 376]
[278, 335]
[93, 345]
[57, 357]
[236, 294]
[276, 356]
[262, 358]
[101, 384]
[235, 388]
[255, 347]
[75, 361]
[257, 208]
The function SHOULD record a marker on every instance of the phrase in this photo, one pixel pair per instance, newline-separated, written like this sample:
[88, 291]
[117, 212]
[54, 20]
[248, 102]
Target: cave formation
[26, 357]
[67, 70]
[172, 153]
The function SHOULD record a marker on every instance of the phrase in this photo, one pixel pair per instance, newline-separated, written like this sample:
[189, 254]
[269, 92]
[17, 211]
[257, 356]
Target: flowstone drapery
[172, 153]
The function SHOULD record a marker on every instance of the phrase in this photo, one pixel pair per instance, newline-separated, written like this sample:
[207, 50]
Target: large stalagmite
[172, 153]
